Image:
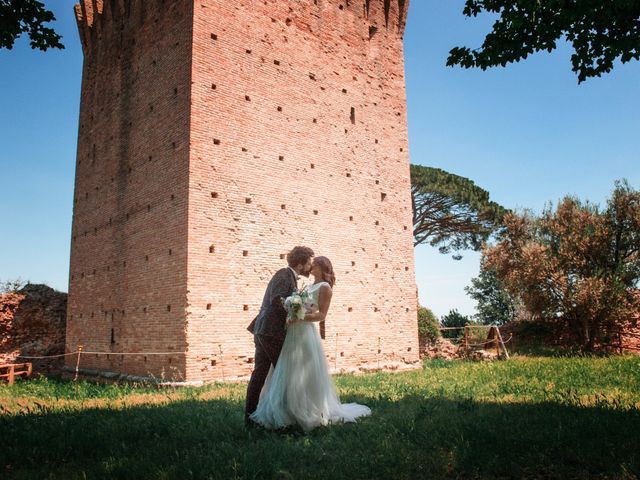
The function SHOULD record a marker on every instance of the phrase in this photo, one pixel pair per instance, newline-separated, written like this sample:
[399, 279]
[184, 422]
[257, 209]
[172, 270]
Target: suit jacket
[271, 320]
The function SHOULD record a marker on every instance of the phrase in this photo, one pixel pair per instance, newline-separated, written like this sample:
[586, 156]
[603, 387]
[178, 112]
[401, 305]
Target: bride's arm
[324, 300]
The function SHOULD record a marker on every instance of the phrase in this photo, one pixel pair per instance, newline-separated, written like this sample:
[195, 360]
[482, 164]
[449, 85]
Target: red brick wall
[297, 135]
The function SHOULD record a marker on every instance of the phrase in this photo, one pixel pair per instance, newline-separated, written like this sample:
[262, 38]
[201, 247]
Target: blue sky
[527, 133]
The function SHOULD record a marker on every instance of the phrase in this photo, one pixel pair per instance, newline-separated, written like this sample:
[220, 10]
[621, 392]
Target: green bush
[428, 325]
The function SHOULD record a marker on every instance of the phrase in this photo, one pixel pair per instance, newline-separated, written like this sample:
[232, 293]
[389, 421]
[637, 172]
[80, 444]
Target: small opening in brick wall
[288, 21]
[406, 269]
[170, 251]
[129, 170]
[401, 149]
[144, 310]
[353, 264]
[406, 309]
[208, 306]
[372, 31]
[376, 140]
[353, 115]
[213, 86]
[216, 141]
[350, 309]
[342, 354]
[248, 50]
[276, 62]
[375, 309]
[350, 218]
[312, 76]
[376, 265]
[245, 307]
[283, 206]
[405, 227]
[145, 359]
[244, 149]
[213, 363]
[113, 336]
[279, 109]
[346, 131]
[175, 91]
[315, 120]
[212, 249]
[247, 98]
[245, 253]
[281, 157]
[127, 216]
[344, 90]
[95, 230]
[150, 157]
[282, 255]
[168, 308]
[247, 200]
[377, 222]
[214, 36]
[315, 212]
[214, 194]
[173, 196]
[383, 196]
[148, 208]
[313, 166]
[348, 175]
[146, 258]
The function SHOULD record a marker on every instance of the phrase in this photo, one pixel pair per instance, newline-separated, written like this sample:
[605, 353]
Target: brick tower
[214, 136]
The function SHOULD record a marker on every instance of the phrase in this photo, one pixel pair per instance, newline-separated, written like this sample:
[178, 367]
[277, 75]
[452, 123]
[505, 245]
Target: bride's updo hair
[327, 270]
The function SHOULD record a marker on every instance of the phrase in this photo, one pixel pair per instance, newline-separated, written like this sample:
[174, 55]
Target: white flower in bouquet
[294, 304]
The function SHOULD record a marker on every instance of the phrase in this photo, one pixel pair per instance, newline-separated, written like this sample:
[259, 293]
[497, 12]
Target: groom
[268, 327]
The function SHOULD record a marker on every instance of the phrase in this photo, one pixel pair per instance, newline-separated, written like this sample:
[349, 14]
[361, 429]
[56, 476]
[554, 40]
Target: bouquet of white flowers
[295, 305]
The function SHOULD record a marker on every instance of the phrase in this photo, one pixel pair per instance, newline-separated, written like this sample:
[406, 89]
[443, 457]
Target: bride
[300, 390]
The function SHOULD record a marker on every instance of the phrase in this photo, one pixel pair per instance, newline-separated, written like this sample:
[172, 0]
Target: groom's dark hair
[299, 255]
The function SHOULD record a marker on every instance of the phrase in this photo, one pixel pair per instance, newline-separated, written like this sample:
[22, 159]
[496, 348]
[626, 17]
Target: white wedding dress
[300, 390]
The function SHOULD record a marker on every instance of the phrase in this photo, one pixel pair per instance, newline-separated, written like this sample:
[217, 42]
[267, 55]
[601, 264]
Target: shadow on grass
[415, 437]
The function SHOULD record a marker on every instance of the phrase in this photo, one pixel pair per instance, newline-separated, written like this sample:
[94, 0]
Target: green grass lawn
[540, 418]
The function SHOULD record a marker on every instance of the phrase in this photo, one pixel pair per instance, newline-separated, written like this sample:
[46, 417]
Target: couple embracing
[290, 384]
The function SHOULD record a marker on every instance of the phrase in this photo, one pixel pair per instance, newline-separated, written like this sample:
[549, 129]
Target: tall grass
[523, 418]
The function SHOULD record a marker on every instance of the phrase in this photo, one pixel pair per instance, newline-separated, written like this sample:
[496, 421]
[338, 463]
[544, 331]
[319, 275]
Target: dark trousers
[267, 353]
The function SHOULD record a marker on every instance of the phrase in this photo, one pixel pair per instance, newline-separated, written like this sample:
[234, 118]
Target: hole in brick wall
[127, 216]
[212, 249]
[377, 182]
[313, 165]
[401, 149]
[170, 251]
[350, 309]
[353, 264]
[281, 158]
[113, 336]
[216, 141]
[376, 265]
[315, 212]
[406, 269]
[247, 200]
[146, 258]
[208, 306]
[247, 98]
[405, 227]
[351, 219]
[175, 91]
[279, 109]
[376, 140]
[341, 7]
[312, 76]
[406, 309]
[214, 36]
[124, 264]
[348, 175]
[213, 86]
[344, 90]
[244, 149]
[377, 222]
[214, 194]
[129, 171]
[168, 308]
[150, 157]
[408, 349]
[173, 197]
[144, 310]
[353, 115]
[315, 120]
[346, 131]
[95, 230]
[375, 309]
[282, 255]
[383, 196]
[283, 206]
[245, 307]
[148, 208]
[372, 31]
[245, 253]
[342, 354]
[276, 62]
[248, 50]
[288, 21]
[213, 363]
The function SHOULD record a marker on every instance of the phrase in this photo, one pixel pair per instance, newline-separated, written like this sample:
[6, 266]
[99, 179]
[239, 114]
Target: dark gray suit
[268, 330]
